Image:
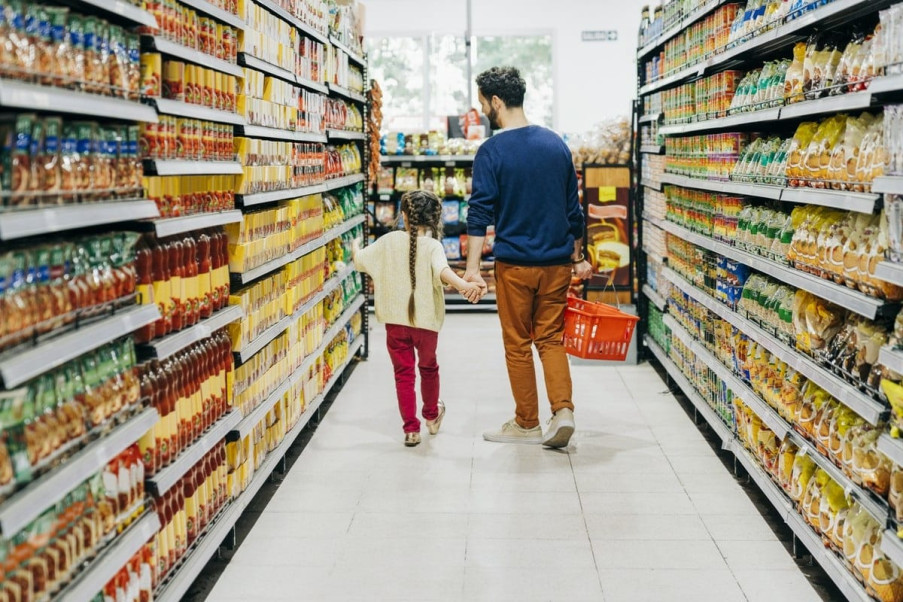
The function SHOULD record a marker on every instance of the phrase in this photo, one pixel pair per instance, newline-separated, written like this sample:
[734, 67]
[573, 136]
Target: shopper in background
[524, 182]
[413, 308]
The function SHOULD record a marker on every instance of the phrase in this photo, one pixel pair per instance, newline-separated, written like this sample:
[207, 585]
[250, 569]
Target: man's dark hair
[504, 82]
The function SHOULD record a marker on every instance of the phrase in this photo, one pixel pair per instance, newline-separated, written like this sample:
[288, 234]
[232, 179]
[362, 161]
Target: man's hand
[476, 278]
[583, 270]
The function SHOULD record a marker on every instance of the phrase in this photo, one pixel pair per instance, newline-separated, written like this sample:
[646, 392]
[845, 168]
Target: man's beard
[493, 116]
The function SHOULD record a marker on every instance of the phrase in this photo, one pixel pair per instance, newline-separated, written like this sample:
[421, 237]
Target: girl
[413, 307]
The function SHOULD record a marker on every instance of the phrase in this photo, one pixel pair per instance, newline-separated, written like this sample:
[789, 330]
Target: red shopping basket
[596, 331]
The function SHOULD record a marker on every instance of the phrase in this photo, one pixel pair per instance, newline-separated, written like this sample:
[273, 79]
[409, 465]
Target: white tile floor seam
[638, 510]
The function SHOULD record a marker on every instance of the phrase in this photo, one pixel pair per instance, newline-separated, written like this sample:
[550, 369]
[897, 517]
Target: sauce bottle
[190, 276]
[205, 287]
[161, 286]
[174, 257]
[144, 269]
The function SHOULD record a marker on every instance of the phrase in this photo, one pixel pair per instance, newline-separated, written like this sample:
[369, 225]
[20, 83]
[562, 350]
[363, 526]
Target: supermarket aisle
[641, 508]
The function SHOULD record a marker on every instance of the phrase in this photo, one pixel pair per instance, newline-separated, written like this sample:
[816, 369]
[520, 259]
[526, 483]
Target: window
[533, 56]
[397, 63]
[419, 99]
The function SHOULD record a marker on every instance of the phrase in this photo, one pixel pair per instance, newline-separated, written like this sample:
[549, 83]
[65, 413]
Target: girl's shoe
[433, 425]
[411, 439]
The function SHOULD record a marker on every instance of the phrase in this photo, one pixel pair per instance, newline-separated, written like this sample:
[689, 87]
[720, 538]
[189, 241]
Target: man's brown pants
[531, 302]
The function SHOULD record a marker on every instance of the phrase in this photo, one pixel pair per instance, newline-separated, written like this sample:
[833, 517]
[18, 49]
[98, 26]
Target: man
[524, 182]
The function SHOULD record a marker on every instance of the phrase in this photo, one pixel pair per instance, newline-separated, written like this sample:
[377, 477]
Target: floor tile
[415, 554]
[657, 585]
[432, 500]
[607, 527]
[770, 585]
[288, 552]
[526, 526]
[637, 503]
[533, 584]
[756, 555]
[626, 482]
[323, 525]
[431, 525]
[721, 502]
[548, 554]
[663, 554]
[726, 527]
[532, 502]
[561, 481]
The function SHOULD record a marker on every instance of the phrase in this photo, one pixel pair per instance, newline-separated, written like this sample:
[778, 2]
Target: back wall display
[606, 203]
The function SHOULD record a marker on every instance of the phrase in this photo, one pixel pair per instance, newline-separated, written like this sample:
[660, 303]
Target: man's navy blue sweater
[524, 182]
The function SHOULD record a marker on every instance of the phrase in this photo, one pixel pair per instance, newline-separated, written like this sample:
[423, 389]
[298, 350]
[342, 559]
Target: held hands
[474, 278]
[471, 291]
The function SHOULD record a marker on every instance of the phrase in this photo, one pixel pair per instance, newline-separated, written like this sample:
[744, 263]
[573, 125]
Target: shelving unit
[28, 504]
[353, 56]
[262, 198]
[51, 220]
[170, 48]
[183, 167]
[271, 266]
[344, 182]
[32, 97]
[169, 476]
[837, 199]
[106, 564]
[864, 305]
[206, 546]
[346, 93]
[838, 573]
[257, 414]
[170, 345]
[193, 111]
[868, 408]
[19, 366]
[217, 13]
[179, 225]
[120, 10]
[835, 13]
[404, 159]
[259, 131]
[343, 135]
[80, 460]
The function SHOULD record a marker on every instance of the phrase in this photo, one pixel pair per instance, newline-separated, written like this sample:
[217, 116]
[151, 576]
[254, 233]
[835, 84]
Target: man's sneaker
[411, 439]
[512, 432]
[561, 427]
[433, 425]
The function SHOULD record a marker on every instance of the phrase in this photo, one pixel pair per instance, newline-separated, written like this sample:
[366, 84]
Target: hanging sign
[609, 35]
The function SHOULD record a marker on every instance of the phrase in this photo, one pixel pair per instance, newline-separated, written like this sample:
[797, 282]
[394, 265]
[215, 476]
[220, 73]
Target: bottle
[205, 290]
[161, 286]
[174, 255]
[190, 282]
[144, 270]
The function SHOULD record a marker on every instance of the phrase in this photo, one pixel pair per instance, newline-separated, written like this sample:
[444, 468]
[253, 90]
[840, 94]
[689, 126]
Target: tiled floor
[639, 509]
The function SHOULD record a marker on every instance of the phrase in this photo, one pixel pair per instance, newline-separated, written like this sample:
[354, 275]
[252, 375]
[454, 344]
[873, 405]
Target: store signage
[610, 35]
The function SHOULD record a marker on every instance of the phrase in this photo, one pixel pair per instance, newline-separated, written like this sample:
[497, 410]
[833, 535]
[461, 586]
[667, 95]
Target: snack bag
[797, 154]
[793, 81]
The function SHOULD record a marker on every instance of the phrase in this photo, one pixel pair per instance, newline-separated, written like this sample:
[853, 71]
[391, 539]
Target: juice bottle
[197, 396]
[223, 470]
[161, 541]
[203, 503]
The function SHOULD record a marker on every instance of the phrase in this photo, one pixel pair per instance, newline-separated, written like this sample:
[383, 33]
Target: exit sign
[610, 35]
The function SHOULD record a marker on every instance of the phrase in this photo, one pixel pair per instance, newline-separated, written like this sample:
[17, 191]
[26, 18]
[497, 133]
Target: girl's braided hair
[419, 208]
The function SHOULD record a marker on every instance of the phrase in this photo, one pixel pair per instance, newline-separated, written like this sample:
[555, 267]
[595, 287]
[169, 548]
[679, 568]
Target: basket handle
[611, 283]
